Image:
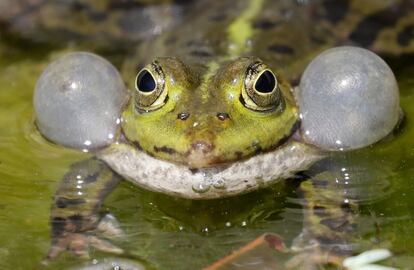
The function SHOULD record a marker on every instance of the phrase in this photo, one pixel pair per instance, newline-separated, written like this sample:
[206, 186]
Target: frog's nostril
[223, 116]
[183, 116]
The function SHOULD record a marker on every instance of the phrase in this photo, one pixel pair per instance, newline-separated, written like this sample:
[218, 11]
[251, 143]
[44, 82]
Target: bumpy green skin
[203, 139]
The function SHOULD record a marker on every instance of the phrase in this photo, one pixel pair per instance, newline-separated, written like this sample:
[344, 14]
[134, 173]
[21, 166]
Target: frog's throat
[239, 177]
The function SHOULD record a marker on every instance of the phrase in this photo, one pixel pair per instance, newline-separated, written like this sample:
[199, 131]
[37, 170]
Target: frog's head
[202, 116]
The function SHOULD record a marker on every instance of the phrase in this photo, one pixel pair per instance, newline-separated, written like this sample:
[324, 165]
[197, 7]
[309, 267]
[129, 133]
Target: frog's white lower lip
[210, 183]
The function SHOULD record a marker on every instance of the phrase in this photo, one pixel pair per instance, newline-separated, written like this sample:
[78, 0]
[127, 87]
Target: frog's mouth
[200, 155]
[211, 182]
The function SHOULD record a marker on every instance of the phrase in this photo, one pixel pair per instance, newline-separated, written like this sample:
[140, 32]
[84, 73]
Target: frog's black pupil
[145, 82]
[266, 82]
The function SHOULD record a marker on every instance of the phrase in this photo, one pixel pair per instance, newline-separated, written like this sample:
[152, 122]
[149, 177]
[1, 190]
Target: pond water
[167, 233]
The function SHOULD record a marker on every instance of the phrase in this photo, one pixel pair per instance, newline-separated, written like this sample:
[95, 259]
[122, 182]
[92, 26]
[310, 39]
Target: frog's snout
[200, 154]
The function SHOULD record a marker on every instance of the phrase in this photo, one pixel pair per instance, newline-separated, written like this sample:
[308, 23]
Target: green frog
[213, 113]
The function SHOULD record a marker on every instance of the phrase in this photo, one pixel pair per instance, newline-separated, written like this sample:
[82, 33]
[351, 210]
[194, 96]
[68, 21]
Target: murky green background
[167, 233]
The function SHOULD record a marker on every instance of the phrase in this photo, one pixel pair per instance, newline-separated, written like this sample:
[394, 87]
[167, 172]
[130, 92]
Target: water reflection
[338, 187]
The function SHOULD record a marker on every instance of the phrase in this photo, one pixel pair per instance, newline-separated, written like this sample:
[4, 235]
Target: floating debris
[364, 260]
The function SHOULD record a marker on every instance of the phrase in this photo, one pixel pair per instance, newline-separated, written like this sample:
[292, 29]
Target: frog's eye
[261, 90]
[150, 91]
[145, 81]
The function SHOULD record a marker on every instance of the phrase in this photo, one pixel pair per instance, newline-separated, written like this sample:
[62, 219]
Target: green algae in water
[169, 233]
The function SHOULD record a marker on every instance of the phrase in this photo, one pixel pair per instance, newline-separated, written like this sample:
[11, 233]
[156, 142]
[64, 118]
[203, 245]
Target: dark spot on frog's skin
[165, 149]
[58, 226]
[195, 43]
[76, 222]
[94, 15]
[90, 178]
[136, 21]
[264, 24]
[406, 35]
[201, 53]
[281, 49]
[223, 116]
[76, 6]
[346, 208]
[64, 202]
[137, 145]
[93, 166]
[199, 48]
[69, 35]
[335, 10]
[368, 29]
[319, 211]
[183, 116]
[238, 154]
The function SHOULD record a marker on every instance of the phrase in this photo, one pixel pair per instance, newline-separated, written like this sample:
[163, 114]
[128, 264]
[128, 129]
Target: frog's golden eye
[261, 90]
[145, 82]
[150, 91]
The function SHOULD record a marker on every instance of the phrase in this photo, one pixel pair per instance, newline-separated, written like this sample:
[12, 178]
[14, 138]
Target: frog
[212, 114]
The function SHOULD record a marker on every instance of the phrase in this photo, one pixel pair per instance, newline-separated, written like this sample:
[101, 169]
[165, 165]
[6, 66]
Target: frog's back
[286, 35]
[275, 31]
